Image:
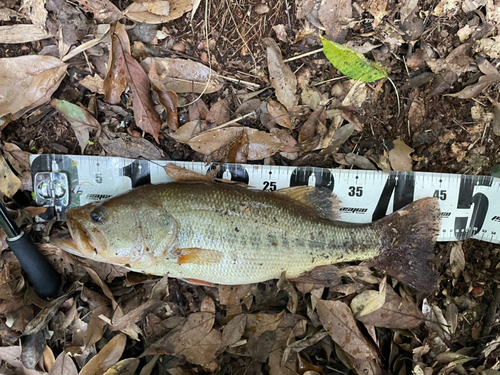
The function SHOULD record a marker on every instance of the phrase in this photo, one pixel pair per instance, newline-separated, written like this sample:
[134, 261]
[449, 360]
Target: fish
[215, 233]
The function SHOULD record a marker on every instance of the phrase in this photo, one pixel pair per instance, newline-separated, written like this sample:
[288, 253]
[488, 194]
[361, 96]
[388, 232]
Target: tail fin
[408, 239]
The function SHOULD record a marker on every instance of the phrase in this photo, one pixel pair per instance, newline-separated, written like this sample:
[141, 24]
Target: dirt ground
[110, 321]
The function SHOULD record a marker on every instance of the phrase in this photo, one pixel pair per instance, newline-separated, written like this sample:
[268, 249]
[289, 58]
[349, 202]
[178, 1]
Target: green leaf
[495, 171]
[351, 63]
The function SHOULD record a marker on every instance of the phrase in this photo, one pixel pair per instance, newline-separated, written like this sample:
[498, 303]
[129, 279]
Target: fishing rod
[44, 278]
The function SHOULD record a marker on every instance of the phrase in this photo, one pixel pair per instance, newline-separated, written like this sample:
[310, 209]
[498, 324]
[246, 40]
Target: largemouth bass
[224, 234]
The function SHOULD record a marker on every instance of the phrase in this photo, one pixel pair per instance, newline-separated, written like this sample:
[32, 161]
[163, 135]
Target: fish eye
[98, 214]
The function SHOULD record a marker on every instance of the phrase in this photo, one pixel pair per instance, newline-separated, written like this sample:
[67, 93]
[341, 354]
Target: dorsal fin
[320, 199]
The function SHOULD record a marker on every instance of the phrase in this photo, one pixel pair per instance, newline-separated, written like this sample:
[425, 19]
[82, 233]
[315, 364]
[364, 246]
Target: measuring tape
[470, 205]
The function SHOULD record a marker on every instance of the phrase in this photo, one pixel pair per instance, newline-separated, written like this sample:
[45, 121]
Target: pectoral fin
[198, 256]
[320, 199]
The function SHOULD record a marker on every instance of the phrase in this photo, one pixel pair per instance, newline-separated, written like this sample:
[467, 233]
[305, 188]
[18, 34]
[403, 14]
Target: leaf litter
[263, 107]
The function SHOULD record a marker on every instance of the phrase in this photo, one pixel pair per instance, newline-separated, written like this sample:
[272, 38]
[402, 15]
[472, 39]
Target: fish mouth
[64, 241]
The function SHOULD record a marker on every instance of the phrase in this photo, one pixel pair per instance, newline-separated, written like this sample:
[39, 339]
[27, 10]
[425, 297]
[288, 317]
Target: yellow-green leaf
[351, 63]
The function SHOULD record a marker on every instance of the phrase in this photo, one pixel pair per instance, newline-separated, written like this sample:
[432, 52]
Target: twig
[233, 121]
[303, 55]
[288, 15]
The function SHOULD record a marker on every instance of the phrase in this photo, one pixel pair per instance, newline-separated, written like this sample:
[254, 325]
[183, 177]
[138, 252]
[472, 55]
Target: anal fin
[198, 282]
[198, 256]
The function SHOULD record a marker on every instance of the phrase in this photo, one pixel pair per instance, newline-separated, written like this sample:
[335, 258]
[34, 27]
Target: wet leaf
[145, 115]
[337, 319]
[281, 76]
[63, 365]
[396, 312]
[28, 82]
[81, 121]
[399, 156]
[115, 81]
[183, 76]
[106, 357]
[369, 301]
[124, 367]
[351, 63]
[9, 182]
[233, 330]
[152, 12]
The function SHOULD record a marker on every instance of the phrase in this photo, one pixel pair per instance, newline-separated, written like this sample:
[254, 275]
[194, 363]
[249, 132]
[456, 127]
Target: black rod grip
[42, 275]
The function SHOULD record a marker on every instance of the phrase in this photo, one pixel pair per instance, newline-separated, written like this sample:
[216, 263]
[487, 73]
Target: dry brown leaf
[95, 327]
[183, 174]
[23, 34]
[127, 146]
[63, 365]
[9, 182]
[337, 319]
[238, 153]
[124, 367]
[233, 331]
[262, 144]
[115, 81]
[104, 10]
[457, 259]
[435, 320]
[35, 10]
[81, 121]
[282, 77]
[233, 294]
[369, 301]
[313, 130]
[396, 312]
[27, 82]
[48, 358]
[257, 324]
[183, 76]
[178, 8]
[495, 124]
[187, 131]
[212, 140]
[400, 157]
[219, 114]
[135, 315]
[93, 84]
[106, 357]
[107, 292]
[198, 110]
[197, 326]
[335, 15]
[474, 90]
[152, 12]
[168, 99]
[293, 298]
[12, 356]
[279, 114]
[203, 351]
[208, 305]
[145, 115]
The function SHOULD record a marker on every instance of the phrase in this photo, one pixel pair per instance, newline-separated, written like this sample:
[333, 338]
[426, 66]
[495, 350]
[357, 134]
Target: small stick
[303, 55]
